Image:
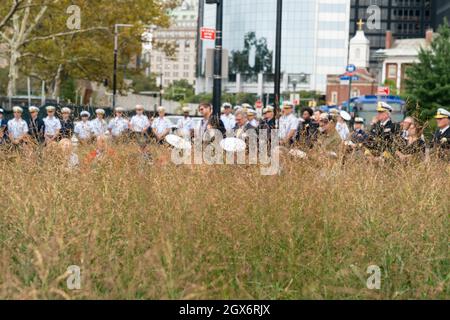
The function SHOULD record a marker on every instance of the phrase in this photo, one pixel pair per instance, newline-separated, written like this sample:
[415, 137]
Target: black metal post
[116, 31]
[217, 89]
[277, 90]
[161, 89]
[349, 93]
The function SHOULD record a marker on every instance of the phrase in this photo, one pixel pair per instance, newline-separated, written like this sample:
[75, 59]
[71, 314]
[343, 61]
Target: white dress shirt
[229, 121]
[286, 125]
[118, 126]
[139, 123]
[185, 126]
[83, 130]
[52, 125]
[161, 125]
[98, 127]
[343, 131]
[17, 128]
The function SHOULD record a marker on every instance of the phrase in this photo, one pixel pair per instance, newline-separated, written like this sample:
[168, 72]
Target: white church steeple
[359, 50]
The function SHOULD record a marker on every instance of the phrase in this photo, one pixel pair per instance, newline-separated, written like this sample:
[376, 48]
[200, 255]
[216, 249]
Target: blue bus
[366, 107]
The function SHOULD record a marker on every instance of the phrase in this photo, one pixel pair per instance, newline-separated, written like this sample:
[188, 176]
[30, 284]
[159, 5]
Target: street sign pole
[277, 89]
[349, 93]
[217, 87]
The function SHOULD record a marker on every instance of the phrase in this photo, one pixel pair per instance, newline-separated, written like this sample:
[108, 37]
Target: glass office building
[441, 10]
[315, 44]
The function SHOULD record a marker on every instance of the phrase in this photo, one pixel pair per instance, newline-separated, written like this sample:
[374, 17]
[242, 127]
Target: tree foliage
[39, 41]
[428, 83]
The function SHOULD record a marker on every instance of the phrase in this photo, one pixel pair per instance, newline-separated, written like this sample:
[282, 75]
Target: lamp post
[217, 87]
[116, 50]
[278, 56]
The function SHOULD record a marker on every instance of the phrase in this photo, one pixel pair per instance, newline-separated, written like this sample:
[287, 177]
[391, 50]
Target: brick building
[337, 90]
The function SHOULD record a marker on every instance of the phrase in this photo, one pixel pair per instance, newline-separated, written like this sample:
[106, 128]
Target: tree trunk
[58, 80]
[13, 72]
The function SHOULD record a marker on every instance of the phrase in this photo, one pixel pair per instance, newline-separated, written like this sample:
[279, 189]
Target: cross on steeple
[360, 24]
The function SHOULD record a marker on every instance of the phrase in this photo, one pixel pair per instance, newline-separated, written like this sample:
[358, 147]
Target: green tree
[428, 83]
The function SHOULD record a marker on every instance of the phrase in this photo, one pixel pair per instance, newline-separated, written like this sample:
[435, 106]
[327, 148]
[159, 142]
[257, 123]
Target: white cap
[33, 109]
[139, 107]
[186, 109]
[50, 108]
[227, 105]
[236, 108]
[85, 113]
[251, 111]
[161, 109]
[66, 110]
[287, 104]
[268, 109]
[120, 109]
[359, 120]
[17, 109]
[100, 111]
[2, 111]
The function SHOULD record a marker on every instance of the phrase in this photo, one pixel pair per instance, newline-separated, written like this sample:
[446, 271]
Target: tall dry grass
[141, 231]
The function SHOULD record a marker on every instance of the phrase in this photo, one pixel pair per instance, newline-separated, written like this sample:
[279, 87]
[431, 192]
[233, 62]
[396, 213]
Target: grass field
[139, 231]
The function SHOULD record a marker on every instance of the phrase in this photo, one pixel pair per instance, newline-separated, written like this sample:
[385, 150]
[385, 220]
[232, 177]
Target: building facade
[183, 35]
[406, 19]
[314, 44]
[399, 55]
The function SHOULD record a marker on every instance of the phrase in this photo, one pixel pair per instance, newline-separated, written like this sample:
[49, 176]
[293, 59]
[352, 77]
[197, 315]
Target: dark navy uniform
[382, 137]
[36, 129]
[359, 136]
[67, 128]
[441, 139]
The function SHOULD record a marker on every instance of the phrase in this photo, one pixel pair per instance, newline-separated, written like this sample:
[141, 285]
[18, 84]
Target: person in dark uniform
[36, 126]
[3, 129]
[382, 136]
[3, 121]
[307, 128]
[441, 139]
[67, 126]
[359, 136]
[268, 122]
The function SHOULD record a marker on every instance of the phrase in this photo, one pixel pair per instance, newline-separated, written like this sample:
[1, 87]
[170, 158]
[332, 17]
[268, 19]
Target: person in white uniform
[288, 124]
[99, 127]
[139, 125]
[119, 125]
[185, 126]
[227, 117]
[83, 128]
[17, 127]
[161, 126]
[52, 125]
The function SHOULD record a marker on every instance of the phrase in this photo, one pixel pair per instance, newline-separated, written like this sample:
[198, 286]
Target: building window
[391, 71]
[355, 93]
[334, 97]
